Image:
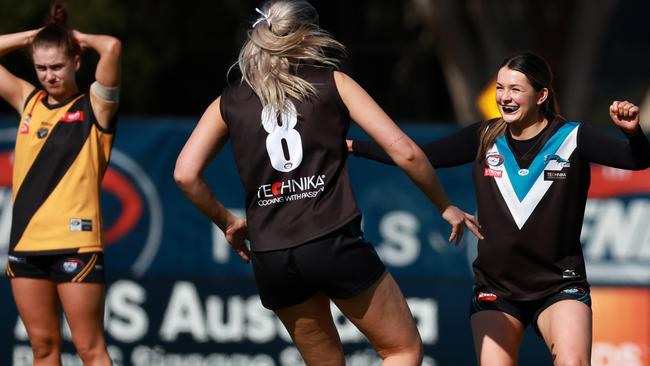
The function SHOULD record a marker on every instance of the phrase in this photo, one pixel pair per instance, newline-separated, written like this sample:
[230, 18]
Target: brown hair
[56, 33]
[540, 76]
[286, 34]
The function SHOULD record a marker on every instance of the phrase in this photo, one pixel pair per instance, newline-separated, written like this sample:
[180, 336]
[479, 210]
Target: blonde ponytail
[286, 35]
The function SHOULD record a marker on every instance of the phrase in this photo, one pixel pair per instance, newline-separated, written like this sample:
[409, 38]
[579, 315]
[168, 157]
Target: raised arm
[402, 150]
[13, 89]
[207, 139]
[632, 153]
[104, 93]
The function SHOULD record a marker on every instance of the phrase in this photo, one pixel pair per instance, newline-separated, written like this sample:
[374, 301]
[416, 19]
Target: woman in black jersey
[531, 171]
[62, 149]
[287, 121]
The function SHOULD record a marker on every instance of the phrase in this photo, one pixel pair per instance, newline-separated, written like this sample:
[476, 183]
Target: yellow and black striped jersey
[60, 157]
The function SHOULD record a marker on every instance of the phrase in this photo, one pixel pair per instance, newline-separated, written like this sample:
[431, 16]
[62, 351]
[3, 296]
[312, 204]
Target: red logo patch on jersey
[489, 172]
[486, 296]
[494, 159]
[77, 116]
[25, 127]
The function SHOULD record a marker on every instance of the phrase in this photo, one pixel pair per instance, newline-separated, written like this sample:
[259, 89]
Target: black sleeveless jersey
[293, 166]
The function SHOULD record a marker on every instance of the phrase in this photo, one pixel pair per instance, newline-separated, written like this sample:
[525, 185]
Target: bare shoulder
[341, 78]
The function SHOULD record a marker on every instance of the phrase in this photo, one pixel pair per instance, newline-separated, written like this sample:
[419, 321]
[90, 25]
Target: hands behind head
[625, 115]
[81, 39]
[458, 219]
[236, 234]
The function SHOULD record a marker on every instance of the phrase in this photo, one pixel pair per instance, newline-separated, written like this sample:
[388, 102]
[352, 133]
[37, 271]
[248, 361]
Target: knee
[408, 354]
[44, 347]
[93, 354]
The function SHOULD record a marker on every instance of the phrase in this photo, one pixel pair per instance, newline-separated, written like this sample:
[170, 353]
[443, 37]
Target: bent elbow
[405, 155]
[114, 47]
[183, 178]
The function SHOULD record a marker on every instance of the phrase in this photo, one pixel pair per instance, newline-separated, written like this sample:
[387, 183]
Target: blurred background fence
[177, 295]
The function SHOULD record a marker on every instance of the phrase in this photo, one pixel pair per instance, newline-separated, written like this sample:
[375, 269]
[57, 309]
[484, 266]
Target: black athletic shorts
[526, 312]
[341, 264]
[59, 268]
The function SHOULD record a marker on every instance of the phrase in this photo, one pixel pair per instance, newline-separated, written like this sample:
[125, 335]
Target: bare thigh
[566, 327]
[497, 336]
[83, 305]
[38, 306]
[313, 331]
[383, 316]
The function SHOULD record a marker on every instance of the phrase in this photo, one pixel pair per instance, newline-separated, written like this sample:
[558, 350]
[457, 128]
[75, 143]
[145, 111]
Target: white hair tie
[264, 18]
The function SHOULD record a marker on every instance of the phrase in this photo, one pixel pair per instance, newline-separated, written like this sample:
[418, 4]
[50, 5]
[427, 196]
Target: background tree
[423, 60]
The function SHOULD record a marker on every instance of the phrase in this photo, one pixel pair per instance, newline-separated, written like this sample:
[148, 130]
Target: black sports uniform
[531, 198]
[294, 171]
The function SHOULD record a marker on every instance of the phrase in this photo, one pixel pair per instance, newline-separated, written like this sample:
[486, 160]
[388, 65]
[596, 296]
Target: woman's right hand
[236, 234]
[459, 219]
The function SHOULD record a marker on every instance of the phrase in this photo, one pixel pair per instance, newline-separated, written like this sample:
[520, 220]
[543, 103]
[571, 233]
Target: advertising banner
[177, 295]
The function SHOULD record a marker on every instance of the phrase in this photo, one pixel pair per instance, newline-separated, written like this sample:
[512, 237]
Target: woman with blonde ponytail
[531, 173]
[287, 121]
[62, 150]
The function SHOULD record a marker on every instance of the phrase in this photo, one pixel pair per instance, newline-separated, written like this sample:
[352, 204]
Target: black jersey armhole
[335, 91]
[222, 107]
[88, 108]
[112, 124]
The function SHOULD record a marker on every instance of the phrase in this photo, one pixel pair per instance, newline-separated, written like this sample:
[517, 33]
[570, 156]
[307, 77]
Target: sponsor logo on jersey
[554, 175]
[72, 265]
[486, 296]
[570, 274]
[77, 116]
[25, 127]
[523, 172]
[489, 172]
[573, 291]
[563, 163]
[14, 259]
[78, 225]
[42, 132]
[493, 159]
[290, 190]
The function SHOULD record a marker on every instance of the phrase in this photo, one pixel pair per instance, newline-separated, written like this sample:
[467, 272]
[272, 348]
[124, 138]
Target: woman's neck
[52, 99]
[527, 130]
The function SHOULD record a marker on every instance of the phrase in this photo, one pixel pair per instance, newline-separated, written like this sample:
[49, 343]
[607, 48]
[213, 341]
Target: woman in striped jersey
[62, 150]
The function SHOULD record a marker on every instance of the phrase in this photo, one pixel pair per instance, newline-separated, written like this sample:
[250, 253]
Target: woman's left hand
[625, 115]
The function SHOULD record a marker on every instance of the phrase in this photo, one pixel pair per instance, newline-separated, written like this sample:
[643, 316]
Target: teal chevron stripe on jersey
[522, 193]
[522, 183]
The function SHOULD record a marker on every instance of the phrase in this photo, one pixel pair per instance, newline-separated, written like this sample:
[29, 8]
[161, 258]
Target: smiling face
[56, 71]
[517, 99]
